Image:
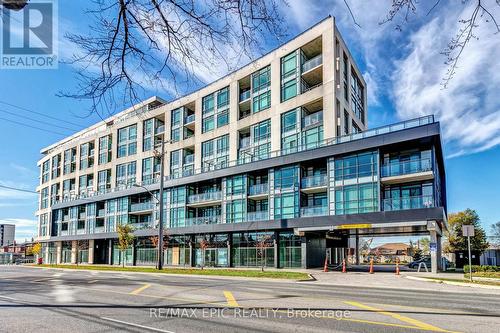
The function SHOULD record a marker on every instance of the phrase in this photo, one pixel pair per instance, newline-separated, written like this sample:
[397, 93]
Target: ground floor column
[276, 249]
[74, 251]
[110, 252]
[58, 252]
[91, 251]
[357, 248]
[435, 246]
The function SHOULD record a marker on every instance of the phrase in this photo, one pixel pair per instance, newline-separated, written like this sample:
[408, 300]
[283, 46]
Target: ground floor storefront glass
[66, 252]
[290, 250]
[82, 248]
[211, 250]
[146, 252]
[253, 249]
[49, 253]
[177, 251]
[119, 257]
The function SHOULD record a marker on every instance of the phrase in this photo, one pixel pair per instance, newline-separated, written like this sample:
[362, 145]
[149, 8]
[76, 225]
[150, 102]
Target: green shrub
[482, 268]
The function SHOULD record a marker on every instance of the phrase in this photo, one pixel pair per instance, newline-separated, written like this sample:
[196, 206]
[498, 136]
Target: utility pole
[468, 230]
[160, 223]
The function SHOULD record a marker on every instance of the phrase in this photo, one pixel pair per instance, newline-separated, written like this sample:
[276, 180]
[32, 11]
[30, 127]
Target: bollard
[343, 266]
[371, 266]
[325, 267]
[397, 266]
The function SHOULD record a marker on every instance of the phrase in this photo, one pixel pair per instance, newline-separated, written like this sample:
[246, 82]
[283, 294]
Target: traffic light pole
[160, 223]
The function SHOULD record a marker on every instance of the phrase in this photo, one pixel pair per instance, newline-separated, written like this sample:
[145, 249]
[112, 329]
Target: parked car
[414, 264]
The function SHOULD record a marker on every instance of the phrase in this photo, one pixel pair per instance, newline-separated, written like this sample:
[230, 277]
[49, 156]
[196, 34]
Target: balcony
[314, 211]
[314, 184]
[100, 213]
[245, 142]
[82, 215]
[159, 130]
[313, 119]
[189, 159]
[141, 225]
[189, 121]
[407, 171]
[258, 190]
[244, 96]
[261, 215]
[402, 203]
[312, 63]
[145, 207]
[203, 220]
[205, 199]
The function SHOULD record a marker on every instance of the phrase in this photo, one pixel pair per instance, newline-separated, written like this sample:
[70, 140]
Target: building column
[192, 260]
[45, 255]
[58, 252]
[303, 246]
[276, 249]
[74, 252]
[91, 251]
[357, 248]
[229, 257]
[435, 246]
[110, 252]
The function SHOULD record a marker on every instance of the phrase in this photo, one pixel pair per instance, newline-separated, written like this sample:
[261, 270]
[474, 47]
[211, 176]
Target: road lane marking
[139, 290]
[415, 322]
[7, 297]
[136, 325]
[92, 281]
[44, 279]
[231, 301]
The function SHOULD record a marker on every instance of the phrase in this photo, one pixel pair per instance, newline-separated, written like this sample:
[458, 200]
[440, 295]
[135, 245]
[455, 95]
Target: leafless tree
[133, 43]
[264, 242]
[404, 9]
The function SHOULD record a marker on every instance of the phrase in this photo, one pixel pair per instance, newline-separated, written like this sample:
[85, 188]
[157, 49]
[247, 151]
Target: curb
[311, 279]
[454, 283]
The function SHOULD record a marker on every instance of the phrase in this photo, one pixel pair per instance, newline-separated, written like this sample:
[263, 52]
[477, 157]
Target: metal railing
[189, 159]
[314, 211]
[314, 181]
[311, 63]
[413, 202]
[141, 206]
[245, 142]
[313, 119]
[160, 129]
[244, 95]
[426, 120]
[261, 215]
[189, 119]
[208, 196]
[203, 220]
[406, 167]
[258, 189]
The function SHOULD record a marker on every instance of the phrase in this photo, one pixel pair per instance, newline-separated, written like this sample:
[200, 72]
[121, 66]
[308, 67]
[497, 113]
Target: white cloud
[469, 109]
[25, 228]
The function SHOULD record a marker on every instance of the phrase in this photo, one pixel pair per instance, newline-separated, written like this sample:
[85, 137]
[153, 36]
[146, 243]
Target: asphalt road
[49, 300]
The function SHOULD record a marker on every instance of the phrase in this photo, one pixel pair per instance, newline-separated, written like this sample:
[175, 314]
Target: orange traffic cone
[325, 267]
[371, 266]
[343, 266]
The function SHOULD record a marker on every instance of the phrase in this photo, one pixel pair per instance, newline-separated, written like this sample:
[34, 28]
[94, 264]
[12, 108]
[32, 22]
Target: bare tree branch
[352, 15]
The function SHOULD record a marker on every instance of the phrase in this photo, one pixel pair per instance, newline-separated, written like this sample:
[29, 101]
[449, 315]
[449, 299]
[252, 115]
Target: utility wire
[36, 120]
[38, 128]
[40, 114]
[18, 189]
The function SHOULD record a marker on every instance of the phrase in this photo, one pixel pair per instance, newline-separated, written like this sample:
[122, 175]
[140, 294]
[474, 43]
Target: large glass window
[86, 155]
[127, 141]
[215, 153]
[354, 199]
[69, 161]
[312, 138]
[148, 134]
[235, 185]
[56, 166]
[45, 171]
[104, 180]
[208, 124]
[126, 173]
[286, 178]
[356, 166]
[290, 250]
[105, 146]
[286, 205]
[44, 198]
[289, 121]
[235, 211]
[409, 196]
[261, 79]
[253, 249]
[208, 104]
[262, 102]
[357, 99]
[262, 131]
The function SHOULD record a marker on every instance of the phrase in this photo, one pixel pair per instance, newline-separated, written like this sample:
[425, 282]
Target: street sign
[355, 226]
[433, 247]
[468, 230]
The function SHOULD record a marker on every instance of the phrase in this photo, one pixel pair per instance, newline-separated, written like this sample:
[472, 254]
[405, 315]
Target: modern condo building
[272, 164]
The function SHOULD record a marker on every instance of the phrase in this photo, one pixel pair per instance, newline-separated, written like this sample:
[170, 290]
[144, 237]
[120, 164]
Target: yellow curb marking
[415, 322]
[139, 290]
[231, 301]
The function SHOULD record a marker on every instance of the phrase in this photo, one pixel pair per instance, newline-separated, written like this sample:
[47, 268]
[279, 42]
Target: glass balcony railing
[203, 220]
[201, 197]
[142, 225]
[314, 211]
[244, 142]
[261, 215]
[141, 206]
[82, 215]
[313, 119]
[100, 213]
[189, 159]
[314, 181]
[189, 119]
[258, 189]
[160, 129]
[244, 95]
[402, 203]
[311, 63]
[406, 167]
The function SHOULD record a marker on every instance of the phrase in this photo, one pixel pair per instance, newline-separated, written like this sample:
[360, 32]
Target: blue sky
[403, 71]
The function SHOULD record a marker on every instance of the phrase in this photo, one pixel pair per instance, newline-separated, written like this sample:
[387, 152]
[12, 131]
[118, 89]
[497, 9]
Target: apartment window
[68, 187]
[44, 225]
[222, 118]
[86, 155]
[234, 211]
[355, 199]
[104, 180]
[261, 79]
[262, 102]
[346, 122]
[356, 166]
[410, 196]
[105, 146]
[235, 185]
[45, 171]
[215, 152]
[126, 173]
[44, 198]
[148, 134]
[127, 141]
[312, 138]
[175, 162]
[289, 137]
[286, 178]
[262, 131]
[178, 195]
[176, 126]
[54, 193]
[208, 124]
[208, 104]
[289, 75]
[223, 98]
[355, 128]
[286, 205]
[357, 97]
[85, 183]
[56, 166]
[149, 167]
